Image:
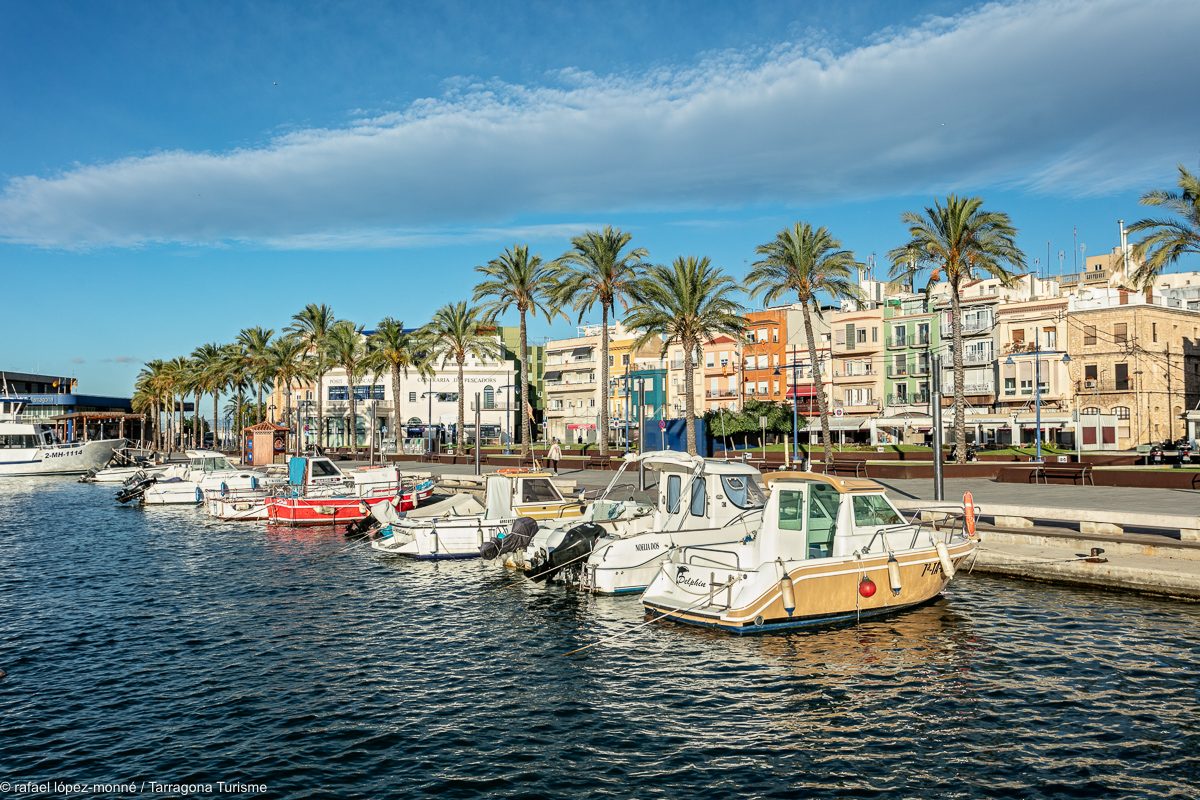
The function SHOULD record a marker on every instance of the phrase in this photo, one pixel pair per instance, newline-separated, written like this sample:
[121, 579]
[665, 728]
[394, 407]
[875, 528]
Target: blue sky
[172, 173]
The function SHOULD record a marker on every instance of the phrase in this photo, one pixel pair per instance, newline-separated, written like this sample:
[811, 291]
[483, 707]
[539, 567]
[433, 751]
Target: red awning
[801, 391]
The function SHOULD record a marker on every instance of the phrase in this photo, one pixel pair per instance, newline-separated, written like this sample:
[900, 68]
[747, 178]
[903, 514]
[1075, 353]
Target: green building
[912, 337]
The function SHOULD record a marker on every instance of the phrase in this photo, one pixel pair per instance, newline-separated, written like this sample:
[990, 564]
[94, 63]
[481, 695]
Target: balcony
[720, 393]
[1091, 386]
[970, 388]
[868, 375]
[898, 371]
[898, 341]
[568, 386]
[916, 398]
[723, 368]
[840, 346]
[971, 327]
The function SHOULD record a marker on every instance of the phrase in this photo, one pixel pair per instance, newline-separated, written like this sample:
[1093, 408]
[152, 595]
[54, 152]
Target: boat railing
[947, 527]
[693, 560]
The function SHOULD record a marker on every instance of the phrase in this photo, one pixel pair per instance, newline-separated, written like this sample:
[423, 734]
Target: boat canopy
[844, 485]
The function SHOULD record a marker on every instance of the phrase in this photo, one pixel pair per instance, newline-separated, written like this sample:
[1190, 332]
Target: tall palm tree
[595, 270]
[393, 350]
[149, 388]
[690, 303]
[1167, 240]
[210, 359]
[193, 383]
[256, 342]
[312, 325]
[237, 379]
[956, 242]
[456, 332]
[346, 347]
[175, 377]
[287, 364]
[517, 280]
[811, 263]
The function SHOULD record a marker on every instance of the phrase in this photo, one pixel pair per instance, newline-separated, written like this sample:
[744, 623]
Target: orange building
[764, 353]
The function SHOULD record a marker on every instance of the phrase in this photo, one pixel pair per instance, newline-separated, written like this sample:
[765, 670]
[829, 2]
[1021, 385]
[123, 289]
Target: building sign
[580, 426]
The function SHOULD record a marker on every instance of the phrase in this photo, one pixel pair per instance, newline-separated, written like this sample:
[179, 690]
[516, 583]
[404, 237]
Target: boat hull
[826, 591]
[72, 458]
[311, 511]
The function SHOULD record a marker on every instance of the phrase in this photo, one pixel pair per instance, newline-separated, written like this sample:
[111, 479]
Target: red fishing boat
[302, 511]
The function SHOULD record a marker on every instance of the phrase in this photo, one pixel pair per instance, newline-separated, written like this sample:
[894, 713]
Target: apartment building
[571, 385]
[913, 335]
[979, 349]
[858, 346]
[676, 382]
[720, 373]
[1138, 361]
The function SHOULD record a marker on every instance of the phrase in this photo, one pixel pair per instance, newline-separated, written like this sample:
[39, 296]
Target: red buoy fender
[866, 587]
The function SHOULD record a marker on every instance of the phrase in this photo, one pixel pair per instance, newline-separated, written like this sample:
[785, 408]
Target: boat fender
[866, 587]
[787, 590]
[363, 508]
[893, 568]
[3, 674]
[944, 556]
[327, 511]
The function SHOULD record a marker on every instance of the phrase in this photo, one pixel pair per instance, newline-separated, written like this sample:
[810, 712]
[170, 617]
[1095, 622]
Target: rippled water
[155, 645]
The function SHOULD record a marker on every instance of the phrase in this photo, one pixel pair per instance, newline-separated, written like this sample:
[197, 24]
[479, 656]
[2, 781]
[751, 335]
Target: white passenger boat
[32, 449]
[186, 483]
[699, 501]
[508, 497]
[828, 550]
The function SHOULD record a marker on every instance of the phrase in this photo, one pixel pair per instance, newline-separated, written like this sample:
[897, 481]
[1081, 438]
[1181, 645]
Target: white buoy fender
[788, 590]
[944, 557]
[893, 567]
[363, 508]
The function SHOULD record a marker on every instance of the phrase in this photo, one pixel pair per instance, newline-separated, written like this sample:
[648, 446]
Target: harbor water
[158, 648]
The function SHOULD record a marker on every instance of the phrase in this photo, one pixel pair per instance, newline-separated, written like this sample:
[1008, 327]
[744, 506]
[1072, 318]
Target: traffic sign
[837, 412]
[662, 425]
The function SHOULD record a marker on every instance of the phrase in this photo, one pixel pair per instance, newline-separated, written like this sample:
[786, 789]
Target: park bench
[1076, 472]
[855, 466]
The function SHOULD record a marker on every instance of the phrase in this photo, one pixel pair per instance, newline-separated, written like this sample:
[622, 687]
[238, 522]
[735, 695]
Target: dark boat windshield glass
[742, 491]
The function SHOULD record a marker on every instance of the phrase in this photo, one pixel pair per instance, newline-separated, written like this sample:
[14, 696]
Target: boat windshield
[874, 509]
[742, 491]
[211, 464]
[538, 490]
[18, 440]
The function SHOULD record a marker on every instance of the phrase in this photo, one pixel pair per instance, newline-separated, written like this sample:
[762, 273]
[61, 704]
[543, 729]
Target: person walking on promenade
[554, 455]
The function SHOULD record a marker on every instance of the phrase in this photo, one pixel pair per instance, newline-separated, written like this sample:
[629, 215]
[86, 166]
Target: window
[874, 509]
[610, 361]
[1120, 332]
[823, 503]
[412, 397]
[1010, 385]
[339, 393]
[762, 362]
[1122, 412]
[1049, 339]
[861, 336]
[923, 333]
[775, 335]
[762, 334]
[1089, 335]
[538, 490]
[1090, 410]
[673, 484]
[1122, 377]
[900, 335]
[708, 359]
[1089, 372]
[875, 334]
[308, 395]
[368, 392]
[791, 510]
[1018, 335]
[742, 492]
[699, 497]
[592, 402]
[446, 397]
[489, 397]
[1154, 331]
[624, 359]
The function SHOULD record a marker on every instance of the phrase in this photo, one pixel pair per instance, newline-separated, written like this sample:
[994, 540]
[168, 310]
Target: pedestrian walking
[554, 455]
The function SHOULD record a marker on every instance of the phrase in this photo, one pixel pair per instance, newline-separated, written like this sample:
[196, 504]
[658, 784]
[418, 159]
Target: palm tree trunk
[462, 396]
[216, 410]
[689, 398]
[258, 410]
[960, 377]
[198, 436]
[396, 404]
[602, 432]
[239, 421]
[818, 387]
[320, 411]
[353, 417]
[522, 395]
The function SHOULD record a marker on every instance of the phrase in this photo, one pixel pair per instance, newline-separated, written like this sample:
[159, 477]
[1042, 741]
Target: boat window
[742, 492]
[822, 519]
[674, 484]
[15, 440]
[323, 469]
[538, 490]
[874, 509]
[699, 496]
[791, 510]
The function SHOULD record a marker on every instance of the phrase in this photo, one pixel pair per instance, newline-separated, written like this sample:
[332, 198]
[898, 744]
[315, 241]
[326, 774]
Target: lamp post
[1037, 392]
[227, 428]
[795, 407]
[271, 409]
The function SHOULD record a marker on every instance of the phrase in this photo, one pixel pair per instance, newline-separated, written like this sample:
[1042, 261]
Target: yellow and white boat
[444, 531]
[828, 550]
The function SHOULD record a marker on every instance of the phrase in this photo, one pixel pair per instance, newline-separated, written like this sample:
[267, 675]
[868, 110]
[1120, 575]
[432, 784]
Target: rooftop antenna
[1083, 254]
[1075, 247]
[1061, 256]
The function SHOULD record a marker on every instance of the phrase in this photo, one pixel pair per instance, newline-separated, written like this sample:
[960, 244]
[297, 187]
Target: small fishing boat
[508, 496]
[34, 449]
[700, 501]
[186, 483]
[828, 550]
[308, 510]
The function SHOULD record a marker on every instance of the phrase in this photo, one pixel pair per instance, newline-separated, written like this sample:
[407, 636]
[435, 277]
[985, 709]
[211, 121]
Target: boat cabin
[696, 493]
[208, 461]
[818, 516]
[526, 494]
[315, 471]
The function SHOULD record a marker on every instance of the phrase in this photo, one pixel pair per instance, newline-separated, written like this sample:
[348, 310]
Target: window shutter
[849, 337]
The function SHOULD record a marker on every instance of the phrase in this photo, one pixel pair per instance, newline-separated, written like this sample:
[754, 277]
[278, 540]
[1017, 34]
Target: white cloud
[1069, 96]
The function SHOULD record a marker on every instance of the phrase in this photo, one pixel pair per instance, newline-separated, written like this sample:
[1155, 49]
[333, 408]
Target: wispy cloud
[121, 360]
[1059, 96]
[78, 361]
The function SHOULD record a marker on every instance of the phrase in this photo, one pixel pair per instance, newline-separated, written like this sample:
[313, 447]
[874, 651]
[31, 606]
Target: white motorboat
[509, 495]
[122, 468]
[700, 502]
[187, 483]
[32, 449]
[828, 550]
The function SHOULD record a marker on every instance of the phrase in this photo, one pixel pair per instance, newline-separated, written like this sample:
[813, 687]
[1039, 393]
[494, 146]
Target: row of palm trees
[688, 303]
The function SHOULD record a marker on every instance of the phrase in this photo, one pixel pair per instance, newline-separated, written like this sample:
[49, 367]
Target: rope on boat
[649, 622]
[536, 575]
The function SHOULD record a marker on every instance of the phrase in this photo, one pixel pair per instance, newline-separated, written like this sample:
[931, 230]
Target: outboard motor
[576, 545]
[135, 488]
[522, 533]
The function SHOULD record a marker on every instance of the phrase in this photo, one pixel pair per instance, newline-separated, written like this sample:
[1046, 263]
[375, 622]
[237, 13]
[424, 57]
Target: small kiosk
[266, 443]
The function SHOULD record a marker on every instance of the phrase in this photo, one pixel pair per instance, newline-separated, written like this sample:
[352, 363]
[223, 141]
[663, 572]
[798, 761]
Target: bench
[1080, 472]
[858, 466]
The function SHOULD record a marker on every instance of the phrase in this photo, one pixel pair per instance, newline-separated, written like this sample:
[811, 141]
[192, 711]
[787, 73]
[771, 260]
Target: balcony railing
[970, 327]
[574, 384]
[916, 398]
[899, 341]
[1090, 386]
[970, 388]
[897, 370]
[869, 373]
[711, 394]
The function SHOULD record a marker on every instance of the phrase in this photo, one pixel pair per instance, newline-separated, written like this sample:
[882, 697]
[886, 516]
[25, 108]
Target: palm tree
[256, 342]
[517, 280]
[174, 379]
[1167, 239]
[595, 270]
[148, 388]
[812, 264]
[193, 383]
[393, 350]
[455, 332]
[688, 302]
[287, 364]
[312, 325]
[237, 379]
[957, 241]
[345, 347]
[210, 359]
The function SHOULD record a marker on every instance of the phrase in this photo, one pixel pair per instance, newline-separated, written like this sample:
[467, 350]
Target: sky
[171, 173]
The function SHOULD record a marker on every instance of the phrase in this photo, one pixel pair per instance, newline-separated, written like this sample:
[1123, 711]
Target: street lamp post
[1037, 393]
